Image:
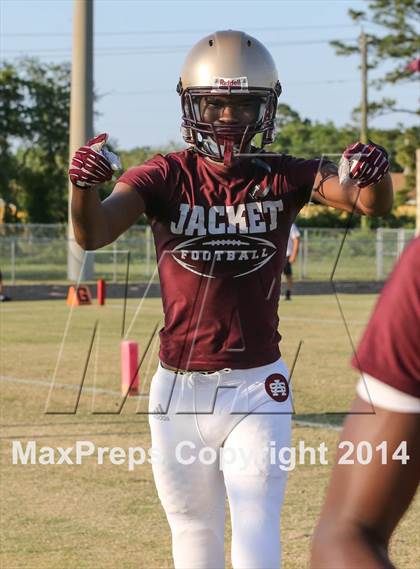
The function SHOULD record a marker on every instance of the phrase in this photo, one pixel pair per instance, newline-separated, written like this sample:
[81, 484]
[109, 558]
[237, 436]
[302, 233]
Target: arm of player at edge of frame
[373, 200]
[365, 501]
[97, 223]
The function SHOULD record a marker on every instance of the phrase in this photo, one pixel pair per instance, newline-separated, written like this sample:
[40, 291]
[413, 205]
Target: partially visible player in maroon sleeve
[365, 502]
[390, 348]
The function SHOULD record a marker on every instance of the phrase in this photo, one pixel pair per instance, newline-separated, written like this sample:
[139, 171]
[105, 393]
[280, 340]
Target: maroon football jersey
[221, 237]
[390, 348]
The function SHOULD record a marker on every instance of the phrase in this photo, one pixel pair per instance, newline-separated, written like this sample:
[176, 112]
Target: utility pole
[364, 102]
[81, 118]
[363, 41]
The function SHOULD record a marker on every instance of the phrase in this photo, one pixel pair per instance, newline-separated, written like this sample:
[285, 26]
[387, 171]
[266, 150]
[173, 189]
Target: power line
[153, 50]
[167, 32]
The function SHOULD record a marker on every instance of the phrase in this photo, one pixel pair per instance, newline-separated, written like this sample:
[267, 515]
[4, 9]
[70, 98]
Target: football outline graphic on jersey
[212, 250]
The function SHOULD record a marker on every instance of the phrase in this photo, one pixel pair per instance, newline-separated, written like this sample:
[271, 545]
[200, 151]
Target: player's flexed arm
[98, 223]
[361, 183]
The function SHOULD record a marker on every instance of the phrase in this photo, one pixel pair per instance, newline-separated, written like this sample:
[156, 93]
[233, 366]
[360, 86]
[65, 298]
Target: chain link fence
[350, 255]
[38, 254]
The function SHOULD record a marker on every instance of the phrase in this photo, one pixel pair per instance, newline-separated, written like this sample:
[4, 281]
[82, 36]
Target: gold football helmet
[228, 63]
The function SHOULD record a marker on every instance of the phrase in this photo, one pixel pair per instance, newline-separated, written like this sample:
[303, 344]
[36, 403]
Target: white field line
[38, 382]
[318, 425]
[43, 383]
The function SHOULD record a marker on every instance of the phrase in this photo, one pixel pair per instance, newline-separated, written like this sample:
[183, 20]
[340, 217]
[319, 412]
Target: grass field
[92, 516]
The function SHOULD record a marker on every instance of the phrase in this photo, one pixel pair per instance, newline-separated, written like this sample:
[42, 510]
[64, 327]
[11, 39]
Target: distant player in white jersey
[291, 255]
[3, 297]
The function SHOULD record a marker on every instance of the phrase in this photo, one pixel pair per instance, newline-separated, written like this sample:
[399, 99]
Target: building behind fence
[38, 254]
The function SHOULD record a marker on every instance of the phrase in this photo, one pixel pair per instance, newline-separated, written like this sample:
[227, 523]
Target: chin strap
[262, 189]
[228, 152]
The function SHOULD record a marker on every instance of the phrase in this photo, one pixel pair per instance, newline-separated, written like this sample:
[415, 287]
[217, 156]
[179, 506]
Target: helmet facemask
[225, 142]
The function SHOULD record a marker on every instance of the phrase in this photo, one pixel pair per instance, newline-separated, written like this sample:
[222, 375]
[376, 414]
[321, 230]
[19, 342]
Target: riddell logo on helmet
[230, 83]
[225, 83]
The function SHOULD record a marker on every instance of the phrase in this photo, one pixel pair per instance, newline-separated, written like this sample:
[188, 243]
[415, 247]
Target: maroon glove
[366, 164]
[89, 167]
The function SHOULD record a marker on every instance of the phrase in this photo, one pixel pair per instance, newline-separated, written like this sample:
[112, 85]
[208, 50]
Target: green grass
[94, 517]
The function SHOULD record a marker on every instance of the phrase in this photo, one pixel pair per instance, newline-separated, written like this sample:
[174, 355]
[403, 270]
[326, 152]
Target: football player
[3, 297]
[366, 500]
[221, 212]
[291, 254]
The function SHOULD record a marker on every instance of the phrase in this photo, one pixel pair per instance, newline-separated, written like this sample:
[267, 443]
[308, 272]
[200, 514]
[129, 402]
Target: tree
[406, 146]
[399, 44]
[11, 127]
[140, 154]
[34, 126]
[302, 137]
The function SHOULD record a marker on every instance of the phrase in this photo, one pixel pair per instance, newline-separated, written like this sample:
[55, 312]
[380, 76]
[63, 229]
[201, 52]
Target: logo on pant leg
[277, 387]
[160, 414]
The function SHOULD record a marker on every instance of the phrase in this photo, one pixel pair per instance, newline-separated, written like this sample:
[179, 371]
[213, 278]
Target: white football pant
[216, 434]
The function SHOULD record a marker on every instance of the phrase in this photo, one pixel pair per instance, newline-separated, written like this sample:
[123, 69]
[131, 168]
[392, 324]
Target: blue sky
[140, 47]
